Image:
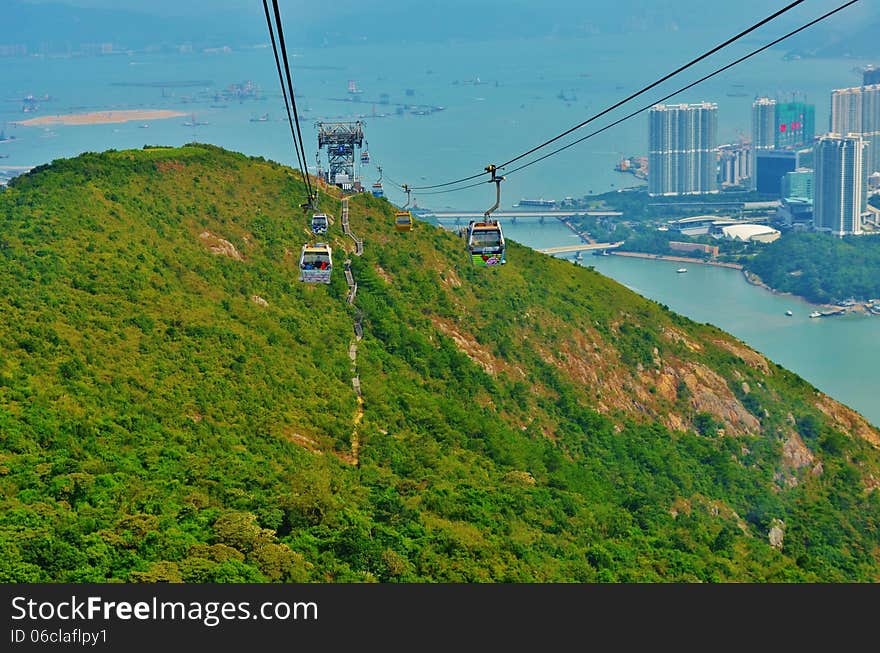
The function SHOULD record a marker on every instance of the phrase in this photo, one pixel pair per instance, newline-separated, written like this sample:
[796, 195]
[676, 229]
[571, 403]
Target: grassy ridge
[532, 423]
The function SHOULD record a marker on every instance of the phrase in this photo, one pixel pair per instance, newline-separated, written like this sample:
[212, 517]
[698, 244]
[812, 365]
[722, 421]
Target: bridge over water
[515, 216]
[583, 247]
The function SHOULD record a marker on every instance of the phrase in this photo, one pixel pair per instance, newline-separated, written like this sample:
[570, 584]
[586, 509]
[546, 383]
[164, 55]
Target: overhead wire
[647, 88]
[299, 154]
[455, 190]
[290, 99]
[684, 88]
[292, 95]
[394, 183]
[632, 96]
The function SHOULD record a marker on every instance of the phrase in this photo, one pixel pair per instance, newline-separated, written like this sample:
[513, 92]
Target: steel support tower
[341, 140]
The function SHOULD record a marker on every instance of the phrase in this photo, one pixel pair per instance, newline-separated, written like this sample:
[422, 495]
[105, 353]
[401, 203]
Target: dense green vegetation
[173, 413]
[637, 205]
[821, 267]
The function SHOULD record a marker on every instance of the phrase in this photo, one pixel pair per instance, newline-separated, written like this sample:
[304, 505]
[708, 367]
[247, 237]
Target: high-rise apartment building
[682, 149]
[837, 185]
[794, 125]
[763, 130]
[764, 124]
[857, 111]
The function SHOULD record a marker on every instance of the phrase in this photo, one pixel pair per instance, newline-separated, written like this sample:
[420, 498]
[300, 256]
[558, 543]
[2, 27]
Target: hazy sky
[690, 10]
[315, 23]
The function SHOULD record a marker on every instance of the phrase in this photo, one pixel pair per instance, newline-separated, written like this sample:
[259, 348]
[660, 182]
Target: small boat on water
[829, 313]
[680, 270]
[789, 313]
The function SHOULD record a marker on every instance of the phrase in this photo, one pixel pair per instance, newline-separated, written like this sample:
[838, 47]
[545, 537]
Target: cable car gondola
[365, 154]
[403, 220]
[316, 263]
[486, 243]
[377, 187]
[485, 238]
[319, 223]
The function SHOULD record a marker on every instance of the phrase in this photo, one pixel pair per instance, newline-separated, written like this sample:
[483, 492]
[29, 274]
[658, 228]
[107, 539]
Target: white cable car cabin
[315, 263]
[403, 221]
[319, 223]
[365, 157]
[378, 191]
[485, 241]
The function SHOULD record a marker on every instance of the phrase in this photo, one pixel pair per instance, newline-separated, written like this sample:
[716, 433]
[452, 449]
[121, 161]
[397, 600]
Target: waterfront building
[759, 233]
[798, 184]
[795, 212]
[794, 125]
[701, 248]
[856, 110]
[699, 225]
[839, 175]
[682, 149]
[770, 167]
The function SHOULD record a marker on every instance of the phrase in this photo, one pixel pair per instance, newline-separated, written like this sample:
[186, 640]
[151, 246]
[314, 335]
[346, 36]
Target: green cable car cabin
[485, 241]
[316, 263]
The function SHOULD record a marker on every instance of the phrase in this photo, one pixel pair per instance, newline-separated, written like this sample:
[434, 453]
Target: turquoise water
[514, 106]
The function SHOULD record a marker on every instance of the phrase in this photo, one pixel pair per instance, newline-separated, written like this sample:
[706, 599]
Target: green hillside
[176, 406]
[820, 267]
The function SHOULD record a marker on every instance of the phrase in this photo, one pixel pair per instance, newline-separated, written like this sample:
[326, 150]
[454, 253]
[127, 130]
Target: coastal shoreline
[750, 278]
[101, 117]
[755, 280]
[680, 259]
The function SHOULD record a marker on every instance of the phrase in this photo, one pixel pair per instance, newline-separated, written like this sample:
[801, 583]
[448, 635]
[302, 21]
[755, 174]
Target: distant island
[101, 117]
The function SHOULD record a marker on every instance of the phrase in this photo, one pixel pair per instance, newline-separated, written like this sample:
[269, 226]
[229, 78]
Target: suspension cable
[656, 83]
[289, 95]
[627, 99]
[296, 148]
[455, 190]
[688, 86]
